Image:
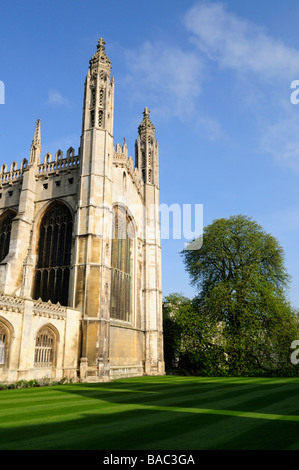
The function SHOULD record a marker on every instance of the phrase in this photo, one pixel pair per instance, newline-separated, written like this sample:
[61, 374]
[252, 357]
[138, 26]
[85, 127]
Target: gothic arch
[122, 264]
[5, 232]
[53, 253]
[6, 337]
[125, 208]
[45, 346]
[41, 212]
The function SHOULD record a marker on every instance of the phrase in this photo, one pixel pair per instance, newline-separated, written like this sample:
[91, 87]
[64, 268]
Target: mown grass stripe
[105, 408]
[93, 399]
[132, 413]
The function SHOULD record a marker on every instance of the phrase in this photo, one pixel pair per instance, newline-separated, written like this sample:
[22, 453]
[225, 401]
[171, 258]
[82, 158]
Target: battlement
[14, 173]
[59, 163]
[121, 159]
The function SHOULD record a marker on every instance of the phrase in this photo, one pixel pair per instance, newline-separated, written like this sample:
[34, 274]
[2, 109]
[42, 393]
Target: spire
[100, 59]
[146, 123]
[146, 150]
[37, 133]
[36, 143]
[99, 93]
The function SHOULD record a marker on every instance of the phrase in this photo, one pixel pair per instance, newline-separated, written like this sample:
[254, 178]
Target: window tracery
[121, 261]
[52, 273]
[45, 345]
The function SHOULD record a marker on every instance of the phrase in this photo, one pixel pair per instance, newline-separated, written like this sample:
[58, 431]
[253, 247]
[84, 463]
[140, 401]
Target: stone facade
[80, 254]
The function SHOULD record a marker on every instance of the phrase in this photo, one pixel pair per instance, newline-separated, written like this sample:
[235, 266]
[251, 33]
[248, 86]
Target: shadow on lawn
[276, 398]
[119, 418]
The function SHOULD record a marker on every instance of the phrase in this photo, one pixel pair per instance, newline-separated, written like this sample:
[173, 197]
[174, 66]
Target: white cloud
[209, 127]
[263, 68]
[56, 99]
[238, 44]
[281, 140]
[169, 76]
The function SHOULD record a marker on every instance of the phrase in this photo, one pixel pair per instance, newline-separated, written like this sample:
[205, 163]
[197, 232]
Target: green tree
[192, 340]
[242, 283]
[171, 330]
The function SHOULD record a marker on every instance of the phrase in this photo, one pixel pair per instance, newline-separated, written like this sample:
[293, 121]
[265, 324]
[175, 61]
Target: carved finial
[146, 123]
[100, 57]
[101, 43]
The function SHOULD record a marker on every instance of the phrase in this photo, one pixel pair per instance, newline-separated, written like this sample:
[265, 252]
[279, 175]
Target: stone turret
[94, 217]
[99, 92]
[147, 160]
[146, 149]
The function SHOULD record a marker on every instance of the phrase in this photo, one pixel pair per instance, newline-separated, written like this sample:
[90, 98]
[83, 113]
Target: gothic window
[4, 344]
[5, 232]
[121, 261]
[92, 118]
[101, 100]
[101, 118]
[93, 98]
[45, 346]
[3, 340]
[52, 273]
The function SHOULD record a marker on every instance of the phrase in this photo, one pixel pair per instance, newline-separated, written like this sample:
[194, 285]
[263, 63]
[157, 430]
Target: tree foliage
[242, 287]
[192, 340]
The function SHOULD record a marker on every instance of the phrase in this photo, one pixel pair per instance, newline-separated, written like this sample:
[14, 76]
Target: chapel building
[80, 252]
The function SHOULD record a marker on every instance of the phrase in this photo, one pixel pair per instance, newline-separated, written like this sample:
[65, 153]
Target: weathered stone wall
[25, 318]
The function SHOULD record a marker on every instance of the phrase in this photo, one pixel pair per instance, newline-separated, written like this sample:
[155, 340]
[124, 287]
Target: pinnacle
[36, 143]
[37, 133]
[100, 56]
[146, 123]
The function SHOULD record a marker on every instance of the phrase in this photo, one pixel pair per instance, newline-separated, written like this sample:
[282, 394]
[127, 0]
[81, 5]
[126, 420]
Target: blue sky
[216, 77]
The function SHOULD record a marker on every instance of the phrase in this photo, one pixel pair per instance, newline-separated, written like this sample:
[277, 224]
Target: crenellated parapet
[49, 165]
[121, 159]
[59, 163]
[14, 173]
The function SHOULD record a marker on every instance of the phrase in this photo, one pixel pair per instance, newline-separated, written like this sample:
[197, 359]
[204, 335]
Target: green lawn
[154, 413]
